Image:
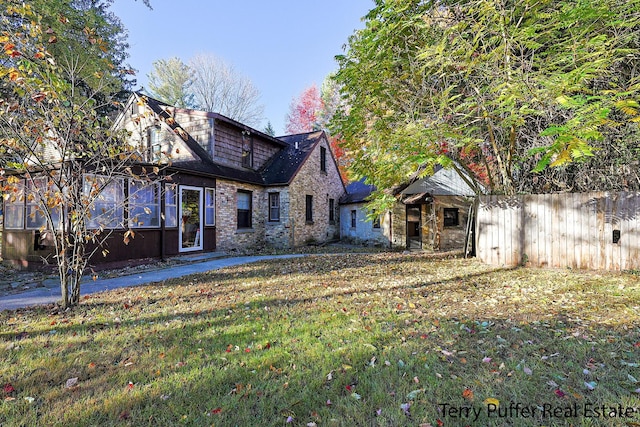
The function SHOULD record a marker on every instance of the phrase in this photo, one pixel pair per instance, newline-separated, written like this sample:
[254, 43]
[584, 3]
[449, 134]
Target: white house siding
[363, 232]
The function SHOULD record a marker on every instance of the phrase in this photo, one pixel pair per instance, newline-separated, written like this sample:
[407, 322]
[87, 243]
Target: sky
[282, 46]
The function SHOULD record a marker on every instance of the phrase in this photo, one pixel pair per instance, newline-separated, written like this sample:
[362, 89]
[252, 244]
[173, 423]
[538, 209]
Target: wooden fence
[598, 231]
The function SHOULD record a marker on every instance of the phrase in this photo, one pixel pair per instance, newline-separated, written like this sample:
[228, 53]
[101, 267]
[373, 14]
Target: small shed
[431, 213]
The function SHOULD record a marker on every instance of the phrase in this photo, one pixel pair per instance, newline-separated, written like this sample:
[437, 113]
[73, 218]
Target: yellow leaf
[492, 401]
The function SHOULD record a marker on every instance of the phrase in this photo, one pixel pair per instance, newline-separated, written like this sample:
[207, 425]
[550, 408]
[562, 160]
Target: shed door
[414, 237]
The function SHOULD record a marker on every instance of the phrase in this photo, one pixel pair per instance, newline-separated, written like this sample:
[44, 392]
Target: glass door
[191, 219]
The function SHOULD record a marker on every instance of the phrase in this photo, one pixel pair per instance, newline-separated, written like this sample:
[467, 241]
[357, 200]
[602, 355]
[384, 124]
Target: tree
[304, 111]
[169, 81]
[309, 112]
[218, 87]
[268, 129]
[60, 153]
[503, 88]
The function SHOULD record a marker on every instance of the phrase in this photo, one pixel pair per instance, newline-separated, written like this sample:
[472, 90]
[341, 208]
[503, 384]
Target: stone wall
[228, 236]
[323, 186]
[278, 233]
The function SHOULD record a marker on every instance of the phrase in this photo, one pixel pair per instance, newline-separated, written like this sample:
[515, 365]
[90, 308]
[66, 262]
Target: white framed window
[244, 208]
[170, 206]
[105, 196]
[274, 207]
[155, 143]
[144, 205]
[39, 192]
[209, 207]
[14, 207]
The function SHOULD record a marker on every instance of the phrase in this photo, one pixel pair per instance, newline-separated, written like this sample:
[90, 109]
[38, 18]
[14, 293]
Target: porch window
[451, 217]
[170, 206]
[274, 207]
[244, 209]
[14, 207]
[38, 192]
[353, 218]
[144, 205]
[309, 208]
[106, 201]
[209, 207]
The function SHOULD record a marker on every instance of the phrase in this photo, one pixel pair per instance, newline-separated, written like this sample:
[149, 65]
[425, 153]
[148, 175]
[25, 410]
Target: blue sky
[283, 46]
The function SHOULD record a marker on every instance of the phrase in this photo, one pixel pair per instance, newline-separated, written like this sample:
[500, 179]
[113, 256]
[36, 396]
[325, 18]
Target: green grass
[342, 340]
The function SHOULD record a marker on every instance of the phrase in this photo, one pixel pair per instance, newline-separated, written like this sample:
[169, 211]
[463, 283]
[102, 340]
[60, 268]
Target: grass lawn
[339, 340]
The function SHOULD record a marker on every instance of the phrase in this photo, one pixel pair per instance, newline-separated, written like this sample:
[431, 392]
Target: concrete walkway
[40, 296]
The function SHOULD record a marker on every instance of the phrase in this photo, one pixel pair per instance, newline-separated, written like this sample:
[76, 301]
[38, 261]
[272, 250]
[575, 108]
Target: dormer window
[247, 150]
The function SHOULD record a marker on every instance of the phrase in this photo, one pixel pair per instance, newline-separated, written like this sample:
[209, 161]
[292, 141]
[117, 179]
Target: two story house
[225, 187]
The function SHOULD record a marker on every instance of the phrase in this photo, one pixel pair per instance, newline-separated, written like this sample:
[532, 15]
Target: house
[430, 213]
[225, 187]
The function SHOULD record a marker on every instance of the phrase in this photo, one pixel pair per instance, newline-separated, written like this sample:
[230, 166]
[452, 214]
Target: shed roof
[444, 182]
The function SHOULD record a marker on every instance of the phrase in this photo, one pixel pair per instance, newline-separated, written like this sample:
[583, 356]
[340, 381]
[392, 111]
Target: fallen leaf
[8, 389]
[527, 371]
[71, 382]
[216, 411]
[486, 360]
[405, 408]
[414, 394]
[591, 385]
[559, 392]
[632, 378]
[467, 394]
[492, 401]
[356, 396]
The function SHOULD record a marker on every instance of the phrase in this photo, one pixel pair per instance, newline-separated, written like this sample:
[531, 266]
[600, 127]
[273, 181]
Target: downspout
[391, 229]
[163, 218]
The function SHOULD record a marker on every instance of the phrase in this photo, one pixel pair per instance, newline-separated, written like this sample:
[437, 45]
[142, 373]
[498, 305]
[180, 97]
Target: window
[244, 209]
[144, 205]
[451, 217]
[39, 192]
[323, 159]
[14, 206]
[106, 198]
[170, 206]
[155, 143]
[209, 206]
[353, 218]
[247, 150]
[332, 210]
[274, 207]
[376, 220]
[309, 208]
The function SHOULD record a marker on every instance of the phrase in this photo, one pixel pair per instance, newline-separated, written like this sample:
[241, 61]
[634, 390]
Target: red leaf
[216, 411]
[440, 423]
[8, 389]
[559, 393]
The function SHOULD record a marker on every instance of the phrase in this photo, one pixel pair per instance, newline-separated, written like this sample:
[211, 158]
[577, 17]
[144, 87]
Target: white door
[190, 215]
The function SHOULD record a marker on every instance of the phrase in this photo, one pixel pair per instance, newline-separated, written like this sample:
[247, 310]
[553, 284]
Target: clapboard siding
[560, 230]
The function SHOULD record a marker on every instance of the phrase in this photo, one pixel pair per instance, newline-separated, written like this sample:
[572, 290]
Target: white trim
[198, 238]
